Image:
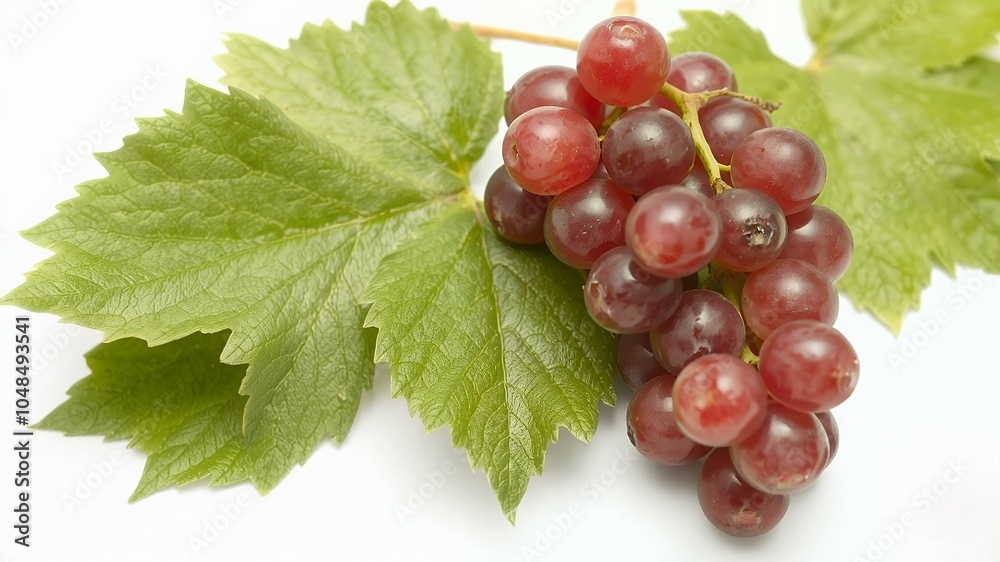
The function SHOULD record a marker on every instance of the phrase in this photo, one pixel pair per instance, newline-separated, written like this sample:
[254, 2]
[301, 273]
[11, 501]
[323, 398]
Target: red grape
[832, 432]
[733, 506]
[785, 454]
[652, 427]
[586, 221]
[820, 237]
[635, 361]
[623, 61]
[783, 163]
[700, 72]
[674, 231]
[550, 149]
[809, 366]
[719, 400]
[727, 121]
[698, 180]
[704, 322]
[552, 85]
[753, 229]
[624, 298]
[517, 215]
[647, 148]
[784, 291]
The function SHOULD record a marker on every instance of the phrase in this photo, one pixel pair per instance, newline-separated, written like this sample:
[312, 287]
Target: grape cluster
[716, 272]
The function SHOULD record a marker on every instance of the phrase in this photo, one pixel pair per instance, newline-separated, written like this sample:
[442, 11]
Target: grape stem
[689, 104]
[732, 288]
[491, 32]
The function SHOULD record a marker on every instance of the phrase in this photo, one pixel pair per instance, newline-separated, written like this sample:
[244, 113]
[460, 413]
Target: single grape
[550, 149]
[635, 361]
[585, 222]
[820, 237]
[652, 427]
[646, 148]
[624, 298]
[832, 433]
[516, 214]
[704, 323]
[698, 180]
[695, 72]
[753, 229]
[809, 366]
[785, 291]
[674, 231]
[727, 122]
[719, 400]
[733, 506]
[786, 454]
[623, 61]
[783, 163]
[552, 85]
[700, 72]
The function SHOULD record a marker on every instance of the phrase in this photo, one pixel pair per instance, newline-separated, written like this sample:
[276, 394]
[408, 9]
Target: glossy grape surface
[753, 229]
[623, 61]
[652, 427]
[719, 400]
[550, 149]
[583, 223]
[809, 366]
[727, 122]
[704, 323]
[733, 506]
[786, 454]
[624, 298]
[635, 361]
[783, 163]
[647, 148]
[785, 291]
[516, 214]
[819, 236]
[674, 231]
[552, 85]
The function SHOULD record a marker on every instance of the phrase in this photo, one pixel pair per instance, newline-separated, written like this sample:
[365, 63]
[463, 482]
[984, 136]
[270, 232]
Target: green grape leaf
[492, 340]
[174, 402]
[262, 215]
[906, 142]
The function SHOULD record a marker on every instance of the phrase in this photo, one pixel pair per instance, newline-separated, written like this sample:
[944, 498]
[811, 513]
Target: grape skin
[704, 323]
[699, 181]
[719, 400]
[832, 433]
[809, 366]
[548, 150]
[785, 291]
[674, 231]
[786, 454]
[733, 506]
[624, 298]
[819, 236]
[727, 122]
[552, 85]
[623, 61]
[585, 222]
[647, 148]
[516, 214]
[783, 163]
[753, 229]
[635, 361]
[652, 427]
[695, 72]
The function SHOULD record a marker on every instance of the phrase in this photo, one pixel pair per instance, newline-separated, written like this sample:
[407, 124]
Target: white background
[926, 401]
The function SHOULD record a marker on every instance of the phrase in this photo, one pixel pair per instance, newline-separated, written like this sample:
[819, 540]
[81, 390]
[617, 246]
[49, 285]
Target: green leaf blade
[905, 152]
[537, 360]
[445, 87]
